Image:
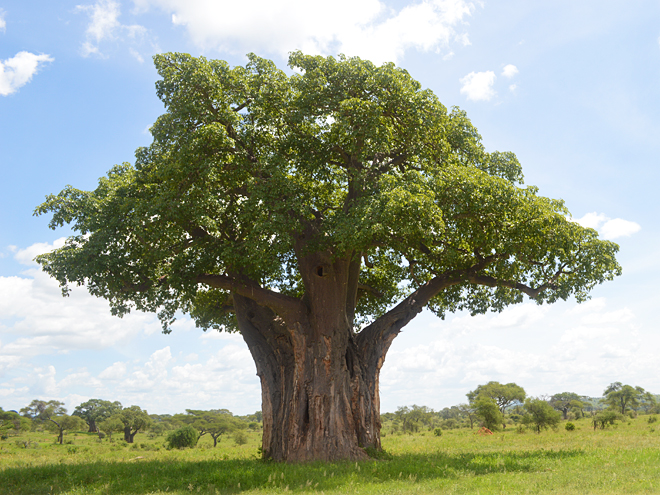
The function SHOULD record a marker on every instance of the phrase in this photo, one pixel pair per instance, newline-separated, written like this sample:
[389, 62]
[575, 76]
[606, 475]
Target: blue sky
[571, 87]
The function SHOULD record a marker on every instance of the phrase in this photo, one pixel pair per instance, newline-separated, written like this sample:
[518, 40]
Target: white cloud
[116, 371]
[365, 28]
[36, 320]
[104, 25]
[478, 85]
[3, 23]
[607, 227]
[509, 71]
[513, 88]
[17, 71]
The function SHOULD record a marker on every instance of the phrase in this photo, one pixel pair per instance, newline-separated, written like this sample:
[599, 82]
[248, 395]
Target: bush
[652, 419]
[437, 432]
[569, 426]
[605, 418]
[240, 438]
[183, 438]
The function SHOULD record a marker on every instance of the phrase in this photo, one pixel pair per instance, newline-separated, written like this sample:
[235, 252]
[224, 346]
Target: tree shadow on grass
[234, 476]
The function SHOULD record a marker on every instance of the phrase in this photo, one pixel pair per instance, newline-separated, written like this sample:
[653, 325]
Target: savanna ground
[624, 458]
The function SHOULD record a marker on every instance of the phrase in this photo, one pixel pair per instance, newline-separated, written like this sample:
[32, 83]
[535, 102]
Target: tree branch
[286, 306]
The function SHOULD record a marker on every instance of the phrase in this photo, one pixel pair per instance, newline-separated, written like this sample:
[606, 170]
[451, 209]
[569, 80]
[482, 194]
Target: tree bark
[319, 379]
[129, 435]
[317, 394]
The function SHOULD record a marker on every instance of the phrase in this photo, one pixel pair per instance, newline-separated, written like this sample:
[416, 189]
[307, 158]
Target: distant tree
[62, 423]
[12, 423]
[621, 397]
[489, 412]
[95, 410]
[133, 420]
[566, 401]
[604, 419]
[414, 417]
[540, 414]
[214, 423]
[111, 425]
[53, 415]
[469, 411]
[503, 395]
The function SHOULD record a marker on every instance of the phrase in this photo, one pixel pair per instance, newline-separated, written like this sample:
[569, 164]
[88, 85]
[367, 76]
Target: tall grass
[625, 459]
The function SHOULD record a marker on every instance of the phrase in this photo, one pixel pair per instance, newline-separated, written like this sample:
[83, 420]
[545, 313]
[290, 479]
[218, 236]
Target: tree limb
[286, 306]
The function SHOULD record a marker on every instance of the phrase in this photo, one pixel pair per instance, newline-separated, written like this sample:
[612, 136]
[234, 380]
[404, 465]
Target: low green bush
[569, 426]
[182, 438]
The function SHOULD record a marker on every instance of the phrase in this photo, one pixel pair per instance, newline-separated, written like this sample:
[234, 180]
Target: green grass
[625, 459]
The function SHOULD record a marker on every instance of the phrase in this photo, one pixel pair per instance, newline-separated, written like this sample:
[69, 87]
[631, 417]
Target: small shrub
[521, 429]
[182, 438]
[240, 438]
[569, 426]
[437, 432]
[71, 449]
[652, 419]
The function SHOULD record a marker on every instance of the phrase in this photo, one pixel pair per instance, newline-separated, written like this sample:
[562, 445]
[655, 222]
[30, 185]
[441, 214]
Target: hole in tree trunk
[319, 271]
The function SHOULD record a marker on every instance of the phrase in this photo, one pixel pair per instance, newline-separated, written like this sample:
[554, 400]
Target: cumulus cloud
[17, 71]
[366, 28]
[35, 319]
[104, 25]
[116, 371]
[609, 228]
[478, 86]
[509, 71]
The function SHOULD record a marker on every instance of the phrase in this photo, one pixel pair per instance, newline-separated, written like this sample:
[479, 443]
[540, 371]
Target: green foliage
[111, 425]
[42, 411]
[96, 410]
[489, 412]
[566, 401]
[414, 417]
[622, 397]
[540, 414]
[503, 395]
[569, 426]
[652, 419]
[437, 432]
[240, 438]
[133, 419]
[215, 423]
[375, 165]
[182, 438]
[12, 423]
[605, 418]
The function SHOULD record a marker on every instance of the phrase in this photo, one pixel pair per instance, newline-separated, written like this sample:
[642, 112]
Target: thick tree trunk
[319, 400]
[92, 427]
[129, 435]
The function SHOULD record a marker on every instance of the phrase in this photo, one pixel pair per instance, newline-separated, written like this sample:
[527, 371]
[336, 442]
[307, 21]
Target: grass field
[621, 459]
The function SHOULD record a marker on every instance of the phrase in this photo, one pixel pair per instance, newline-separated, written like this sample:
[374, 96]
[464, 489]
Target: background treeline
[493, 406]
[497, 406]
[110, 419]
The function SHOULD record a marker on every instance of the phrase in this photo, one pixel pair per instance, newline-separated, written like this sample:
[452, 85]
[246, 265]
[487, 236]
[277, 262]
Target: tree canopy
[503, 394]
[320, 210]
[540, 414]
[621, 397]
[96, 410]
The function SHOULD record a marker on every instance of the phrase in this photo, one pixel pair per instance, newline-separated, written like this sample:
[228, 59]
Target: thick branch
[286, 306]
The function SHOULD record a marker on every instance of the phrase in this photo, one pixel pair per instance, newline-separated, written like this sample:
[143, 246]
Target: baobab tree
[317, 214]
